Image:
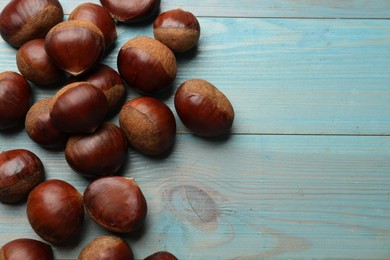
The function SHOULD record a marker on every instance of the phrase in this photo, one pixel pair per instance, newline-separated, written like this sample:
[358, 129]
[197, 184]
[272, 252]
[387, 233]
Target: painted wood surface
[285, 76]
[276, 8]
[305, 173]
[247, 197]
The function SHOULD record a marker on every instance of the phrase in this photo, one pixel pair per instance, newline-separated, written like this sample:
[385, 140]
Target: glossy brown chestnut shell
[24, 20]
[116, 203]
[75, 46]
[203, 109]
[78, 108]
[99, 17]
[99, 154]
[109, 81]
[20, 171]
[146, 65]
[36, 66]
[26, 249]
[149, 125]
[177, 29]
[55, 211]
[107, 248]
[161, 255]
[15, 99]
[40, 127]
[131, 11]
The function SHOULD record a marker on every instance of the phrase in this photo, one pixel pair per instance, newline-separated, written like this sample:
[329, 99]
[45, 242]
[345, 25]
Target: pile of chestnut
[67, 54]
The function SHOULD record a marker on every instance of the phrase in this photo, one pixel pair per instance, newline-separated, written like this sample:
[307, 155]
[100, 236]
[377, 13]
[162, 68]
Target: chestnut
[75, 46]
[40, 128]
[20, 171]
[131, 11]
[146, 65]
[15, 96]
[101, 153]
[24, 20]
[149, 125]
[78, 107]
[26, 249]
[177, 29]
[55, 211]
[107, 248]
[203, 109]
[161, 255]
[35, 65]
[116, 203]
[109, 81]
[99, 17]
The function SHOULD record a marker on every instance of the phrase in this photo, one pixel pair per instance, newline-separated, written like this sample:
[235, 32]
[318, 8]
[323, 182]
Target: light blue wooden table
[305, 173]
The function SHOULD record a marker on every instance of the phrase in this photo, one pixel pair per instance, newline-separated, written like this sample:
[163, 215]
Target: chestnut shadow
[137, 234]
[13, 131]
[166, 94]
[108, 51]
[215, 139]
[187, 55]
[124, 167]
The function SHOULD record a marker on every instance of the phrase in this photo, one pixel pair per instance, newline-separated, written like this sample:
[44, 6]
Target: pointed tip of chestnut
[147, 65]
[21, 21]
[109, 81]
[78, 107]
[131, 11]
[75, 46]
[26, 248]
[177, 29]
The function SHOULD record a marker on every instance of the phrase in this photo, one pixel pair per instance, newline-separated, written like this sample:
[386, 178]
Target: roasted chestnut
[131, 11]
[78, 108]
[26, 249]
[20, 171]
[203, 109]
[149, 125]
[107, 248]
[146, 65]
[161, 255]
[99, 154]
[40, 127]
[35, 65]
[55, 211]
[24, 20]
[75, 46]
[177, 29]
[116, 203]
[15, 96]
[109, 81]
[99, 17]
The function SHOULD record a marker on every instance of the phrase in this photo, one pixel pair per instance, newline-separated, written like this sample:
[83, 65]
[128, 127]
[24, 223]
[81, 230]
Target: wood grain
[279, 196]
[284, 76]
[305, 172]
[378, 9]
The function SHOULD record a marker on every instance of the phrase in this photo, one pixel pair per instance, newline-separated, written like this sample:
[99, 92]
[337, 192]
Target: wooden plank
[264, 8]
[247, 197]
[284, 76]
